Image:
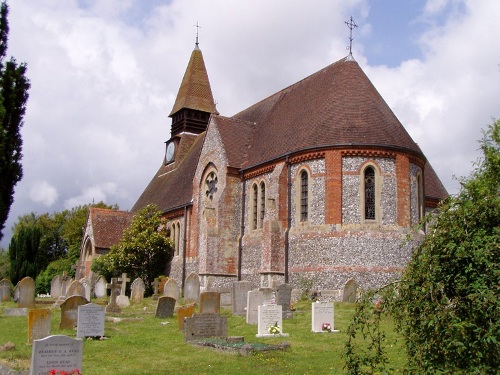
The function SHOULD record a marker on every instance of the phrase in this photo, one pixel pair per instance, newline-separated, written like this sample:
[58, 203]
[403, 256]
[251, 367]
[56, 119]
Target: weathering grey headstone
[322, 313]
[171, 289]
[122, 300]
[76, 288]
[284, 298]
[56, 352]
[269, 315]
[205, 325]
[239, 296]
[16, 292]
[65, 283]
[90, 321]
[255, 298]
[115, 287]
[350, 290]
[88, 288]
[55, 287]
[192, 288]
[100, 287]
[38, 324]
[26, 289]
[165, 307]
[5, 290]
[69, 311]
[269, 295]
[123, 281]
[210, 303]
[210, 283]
[137, 290]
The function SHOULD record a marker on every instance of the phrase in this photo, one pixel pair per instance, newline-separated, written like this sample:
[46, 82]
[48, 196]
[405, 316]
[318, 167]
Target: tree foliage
[14, 88]
[447, 304]
[144, 250]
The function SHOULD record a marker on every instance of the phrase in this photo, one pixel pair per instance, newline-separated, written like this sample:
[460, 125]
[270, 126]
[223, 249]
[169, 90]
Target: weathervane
[351, 25]
[197, 29]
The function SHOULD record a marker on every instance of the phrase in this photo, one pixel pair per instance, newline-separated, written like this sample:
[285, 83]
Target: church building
[318, 183]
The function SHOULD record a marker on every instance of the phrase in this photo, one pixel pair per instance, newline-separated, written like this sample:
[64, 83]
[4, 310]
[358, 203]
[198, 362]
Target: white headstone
[58, 352]
[100, 287]
[323, 317]
[270, 316]
[90, 320]
[255, 298]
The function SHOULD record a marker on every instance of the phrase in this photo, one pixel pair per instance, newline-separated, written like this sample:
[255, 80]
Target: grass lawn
[149, 347]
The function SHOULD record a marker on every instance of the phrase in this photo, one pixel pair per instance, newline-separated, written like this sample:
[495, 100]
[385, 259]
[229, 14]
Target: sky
[104, 76]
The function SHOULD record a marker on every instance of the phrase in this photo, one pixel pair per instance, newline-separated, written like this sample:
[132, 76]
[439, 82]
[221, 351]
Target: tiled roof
[173, 188]
[108, 225]
[337, 106]
[195, 91]
[433, 188]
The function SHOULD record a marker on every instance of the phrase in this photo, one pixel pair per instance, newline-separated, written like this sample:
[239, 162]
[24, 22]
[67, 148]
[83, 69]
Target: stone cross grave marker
[205, 325]
[69, 311]
[323, 316]
[239, 296]
[26, 293]
[38, 324]
[270, 315]
[115, 288]
[210, 303]
[350, 290]
[65, 283]
[100, 287]
[5, 290]
[192, 288]
[76, 288]
[284, 298]
[123, 280]
[57, 352]
[90, 320]
[184, 312]
[171, 289]
[165, 307]
[137, 290]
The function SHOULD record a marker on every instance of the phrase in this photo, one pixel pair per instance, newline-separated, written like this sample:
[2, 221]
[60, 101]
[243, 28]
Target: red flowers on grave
[62, 372]
[326, 327]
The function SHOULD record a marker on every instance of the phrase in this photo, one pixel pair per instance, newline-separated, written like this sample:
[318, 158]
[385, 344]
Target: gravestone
[137, 290]
[88, 289]
[38, 324]
[65, 283]
[14, 311]
[58, 352]
[123, 280]
[122, 300]
[5, 290]
[115, 287]
[205, 325]
[55, 287]
[165, 307]
[16, 292]
[269, 296]
[76, 288]
[210, 282]
[270, 315]
[182, 313]
[255, 298]
[284, 298]
[156, 285]
[350, 290]
[323, 315]
[192, 288]
[171, 289]
[69, 311]
[239, 296]
[100, 287]
[210, 303]
[26, 288]
[90, 321]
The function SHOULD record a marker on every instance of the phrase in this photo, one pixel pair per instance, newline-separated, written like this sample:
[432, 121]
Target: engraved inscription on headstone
[56, 352]
[38, 324]
[210, 303]
[90, 320]
[322, 317]
[270, 315]
[205, 325]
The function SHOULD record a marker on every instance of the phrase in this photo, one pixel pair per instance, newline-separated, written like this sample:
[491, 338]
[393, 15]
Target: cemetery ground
[138, 343]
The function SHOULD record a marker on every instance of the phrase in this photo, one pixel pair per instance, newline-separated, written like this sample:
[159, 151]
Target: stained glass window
[369, 194]
[254, 202]
[304, 198]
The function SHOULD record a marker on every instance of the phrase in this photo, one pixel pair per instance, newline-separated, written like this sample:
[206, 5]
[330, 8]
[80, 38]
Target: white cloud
[104, 192]
[44, 193]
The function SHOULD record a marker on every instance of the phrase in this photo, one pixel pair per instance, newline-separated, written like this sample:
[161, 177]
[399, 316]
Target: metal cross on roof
[351, 25]
[197, 29]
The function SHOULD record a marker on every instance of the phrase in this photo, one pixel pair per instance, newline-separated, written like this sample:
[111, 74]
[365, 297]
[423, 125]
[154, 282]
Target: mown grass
[148, 347]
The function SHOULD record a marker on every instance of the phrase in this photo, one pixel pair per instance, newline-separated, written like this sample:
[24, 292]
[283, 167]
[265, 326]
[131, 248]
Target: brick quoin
[403, 189]
[333, 182]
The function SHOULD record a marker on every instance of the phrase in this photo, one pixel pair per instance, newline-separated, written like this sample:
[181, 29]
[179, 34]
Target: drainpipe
[242, 230]
[184, 248]
[288, 214]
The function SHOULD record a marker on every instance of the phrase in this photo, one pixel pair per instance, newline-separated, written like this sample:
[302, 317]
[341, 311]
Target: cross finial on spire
[351, 25]
[197, 29]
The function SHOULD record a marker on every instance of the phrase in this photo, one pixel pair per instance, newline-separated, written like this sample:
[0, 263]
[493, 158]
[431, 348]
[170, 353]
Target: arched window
[173, 237]
[255, 201]
[369, 176]
[304, 196]
[178, 238]
[262, 203]
[420, 197]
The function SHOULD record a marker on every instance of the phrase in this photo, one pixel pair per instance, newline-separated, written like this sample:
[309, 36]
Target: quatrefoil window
[211, 184]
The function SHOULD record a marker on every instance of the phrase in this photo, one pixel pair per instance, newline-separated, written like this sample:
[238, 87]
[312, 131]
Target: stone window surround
[255, 204]
[298, 194]
[378, 192]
